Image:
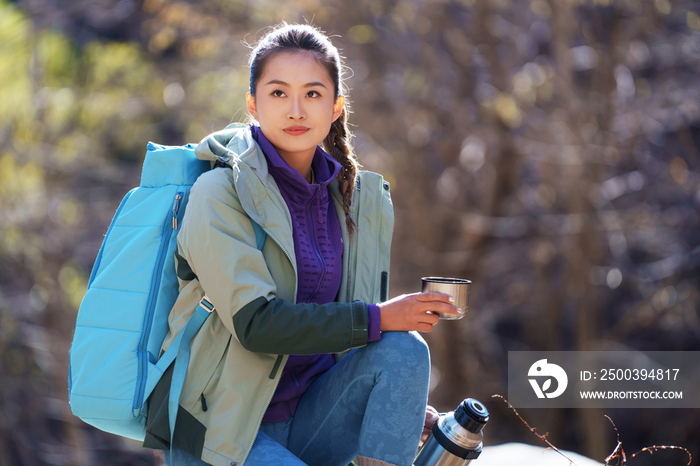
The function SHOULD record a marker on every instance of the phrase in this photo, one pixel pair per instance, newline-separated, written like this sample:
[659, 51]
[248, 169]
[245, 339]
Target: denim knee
[407, 341]
[407, 349]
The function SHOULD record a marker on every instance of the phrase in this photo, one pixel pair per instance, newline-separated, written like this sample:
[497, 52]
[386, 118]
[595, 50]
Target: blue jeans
[371, 403]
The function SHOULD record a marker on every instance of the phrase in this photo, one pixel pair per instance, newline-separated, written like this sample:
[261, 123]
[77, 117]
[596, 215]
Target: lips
[296, 130]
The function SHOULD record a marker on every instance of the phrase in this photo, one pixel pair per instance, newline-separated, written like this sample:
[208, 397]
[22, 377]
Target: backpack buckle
[206, 304]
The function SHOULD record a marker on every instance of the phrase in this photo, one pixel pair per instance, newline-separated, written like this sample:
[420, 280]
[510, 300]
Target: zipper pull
[204, 403]
[176, 207]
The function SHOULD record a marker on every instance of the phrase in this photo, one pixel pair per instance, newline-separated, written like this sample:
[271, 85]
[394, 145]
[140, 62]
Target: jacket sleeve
[218, 242]
[280, 327]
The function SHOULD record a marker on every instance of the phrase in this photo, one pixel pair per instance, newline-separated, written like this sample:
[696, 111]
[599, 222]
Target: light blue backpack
[123, 318]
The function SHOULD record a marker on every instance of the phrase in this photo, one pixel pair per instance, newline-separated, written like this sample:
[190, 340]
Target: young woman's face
[295, 104]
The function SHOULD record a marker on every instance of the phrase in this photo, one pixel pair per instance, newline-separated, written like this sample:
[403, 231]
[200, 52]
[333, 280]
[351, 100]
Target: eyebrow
[282, 83]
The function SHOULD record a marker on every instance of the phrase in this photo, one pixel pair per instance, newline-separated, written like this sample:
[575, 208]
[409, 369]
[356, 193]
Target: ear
[338, 107]
[250, 103]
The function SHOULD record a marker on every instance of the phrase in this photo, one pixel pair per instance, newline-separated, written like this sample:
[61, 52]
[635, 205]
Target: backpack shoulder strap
[180, 350]
[260, 235]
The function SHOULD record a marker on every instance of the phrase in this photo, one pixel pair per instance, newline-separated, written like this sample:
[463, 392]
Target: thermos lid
[472, 415]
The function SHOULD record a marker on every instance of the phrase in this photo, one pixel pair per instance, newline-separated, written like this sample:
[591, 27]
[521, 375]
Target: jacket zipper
[379, 229]
[280, 357]
[278, 361]
[318, 254]
[318, 204]
[141, 351]
[352, 253]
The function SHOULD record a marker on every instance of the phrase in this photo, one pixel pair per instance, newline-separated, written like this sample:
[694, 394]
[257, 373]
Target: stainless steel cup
[458, 288]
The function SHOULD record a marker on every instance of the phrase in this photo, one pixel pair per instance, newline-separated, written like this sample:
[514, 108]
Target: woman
[304, 361]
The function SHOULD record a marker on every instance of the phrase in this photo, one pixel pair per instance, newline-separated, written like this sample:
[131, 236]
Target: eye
[277, 93]
[313, 94]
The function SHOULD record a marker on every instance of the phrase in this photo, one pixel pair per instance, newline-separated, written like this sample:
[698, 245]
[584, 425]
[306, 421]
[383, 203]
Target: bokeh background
[545, 149]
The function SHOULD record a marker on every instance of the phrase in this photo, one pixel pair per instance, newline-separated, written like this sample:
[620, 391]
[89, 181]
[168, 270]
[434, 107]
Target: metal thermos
[456, 436]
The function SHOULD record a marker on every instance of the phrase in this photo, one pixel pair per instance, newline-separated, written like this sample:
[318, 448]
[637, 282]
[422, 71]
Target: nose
[296, 111]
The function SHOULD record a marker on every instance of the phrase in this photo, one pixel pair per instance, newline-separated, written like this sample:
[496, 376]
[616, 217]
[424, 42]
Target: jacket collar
[257, 191]
[235, 145]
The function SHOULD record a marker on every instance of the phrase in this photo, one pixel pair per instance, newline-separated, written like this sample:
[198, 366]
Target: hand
[431, 417]
[415, 311]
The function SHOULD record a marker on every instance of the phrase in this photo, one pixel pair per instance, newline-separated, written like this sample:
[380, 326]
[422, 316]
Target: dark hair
[306, 38]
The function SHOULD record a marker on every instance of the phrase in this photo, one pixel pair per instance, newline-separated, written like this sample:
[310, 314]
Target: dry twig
[654, 448]
[533, 430]
[617, 454]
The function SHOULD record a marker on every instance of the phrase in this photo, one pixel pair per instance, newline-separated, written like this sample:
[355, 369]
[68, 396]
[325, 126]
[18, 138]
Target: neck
[300, 161]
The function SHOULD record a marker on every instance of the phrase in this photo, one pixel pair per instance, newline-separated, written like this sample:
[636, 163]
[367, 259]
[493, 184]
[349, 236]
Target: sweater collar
[325, 167]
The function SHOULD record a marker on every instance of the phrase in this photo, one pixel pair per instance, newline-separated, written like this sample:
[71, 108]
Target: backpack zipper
[176, 207]
[155, 285]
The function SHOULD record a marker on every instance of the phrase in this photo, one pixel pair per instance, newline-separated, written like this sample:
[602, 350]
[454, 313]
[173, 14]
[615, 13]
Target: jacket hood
[229, 145]
[236, 143]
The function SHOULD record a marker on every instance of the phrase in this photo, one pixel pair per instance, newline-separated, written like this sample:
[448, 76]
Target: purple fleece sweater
[318, 248]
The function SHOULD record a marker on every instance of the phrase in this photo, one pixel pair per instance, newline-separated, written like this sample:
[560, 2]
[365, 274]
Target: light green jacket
[217, 254]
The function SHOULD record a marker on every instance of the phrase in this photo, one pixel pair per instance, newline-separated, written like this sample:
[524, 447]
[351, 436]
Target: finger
[421, 327]
[434, 296]
[431, 416]
[444, 307]
[429, 318]
[435, 308]
[422, 441]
